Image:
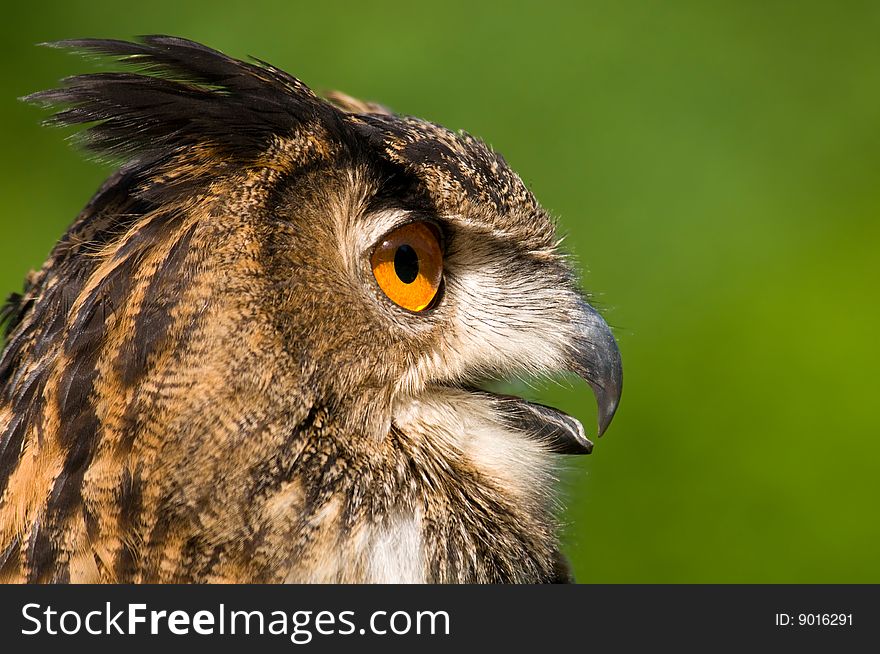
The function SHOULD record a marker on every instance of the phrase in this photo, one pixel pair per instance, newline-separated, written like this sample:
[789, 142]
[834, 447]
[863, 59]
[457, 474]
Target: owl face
[444, 275]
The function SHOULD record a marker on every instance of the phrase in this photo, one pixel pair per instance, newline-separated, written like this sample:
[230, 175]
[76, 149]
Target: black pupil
[406, 264]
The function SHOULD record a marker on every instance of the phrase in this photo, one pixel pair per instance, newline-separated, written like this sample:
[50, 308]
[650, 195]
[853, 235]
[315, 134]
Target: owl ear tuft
[181, 94]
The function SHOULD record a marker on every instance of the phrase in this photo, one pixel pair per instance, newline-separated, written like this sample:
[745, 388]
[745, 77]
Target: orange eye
[408, 265]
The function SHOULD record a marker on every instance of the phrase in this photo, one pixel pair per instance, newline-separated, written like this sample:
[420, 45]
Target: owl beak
[594, 356]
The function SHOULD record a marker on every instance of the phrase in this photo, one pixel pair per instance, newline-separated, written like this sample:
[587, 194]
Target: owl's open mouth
[594, 356]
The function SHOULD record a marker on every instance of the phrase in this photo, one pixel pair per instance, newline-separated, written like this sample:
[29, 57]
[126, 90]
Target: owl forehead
[462, 176]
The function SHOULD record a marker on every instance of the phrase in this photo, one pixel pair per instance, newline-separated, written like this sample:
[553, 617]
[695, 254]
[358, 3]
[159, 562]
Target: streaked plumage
[204, 382]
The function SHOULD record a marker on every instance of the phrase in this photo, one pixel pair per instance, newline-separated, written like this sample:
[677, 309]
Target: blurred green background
[717, 169]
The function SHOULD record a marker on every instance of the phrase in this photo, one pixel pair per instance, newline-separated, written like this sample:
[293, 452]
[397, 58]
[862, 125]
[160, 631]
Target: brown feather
[198, 385]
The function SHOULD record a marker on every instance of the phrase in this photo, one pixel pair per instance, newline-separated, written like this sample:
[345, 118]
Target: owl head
[264, 259]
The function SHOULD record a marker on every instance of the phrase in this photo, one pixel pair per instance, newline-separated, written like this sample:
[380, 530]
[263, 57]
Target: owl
[260, 352]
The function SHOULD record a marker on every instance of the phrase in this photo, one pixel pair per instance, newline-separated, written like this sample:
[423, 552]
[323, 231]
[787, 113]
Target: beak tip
[607, 401]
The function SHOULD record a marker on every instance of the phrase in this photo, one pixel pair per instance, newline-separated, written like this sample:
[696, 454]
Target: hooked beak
[594, 356]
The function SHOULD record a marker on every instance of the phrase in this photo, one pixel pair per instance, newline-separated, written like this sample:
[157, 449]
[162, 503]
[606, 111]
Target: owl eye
[408, 265]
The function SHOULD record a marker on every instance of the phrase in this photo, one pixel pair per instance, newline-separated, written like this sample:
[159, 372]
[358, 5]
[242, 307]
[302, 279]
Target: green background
[715, 166]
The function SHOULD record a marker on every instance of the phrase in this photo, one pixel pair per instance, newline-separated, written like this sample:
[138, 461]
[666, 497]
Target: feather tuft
[179, 94]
